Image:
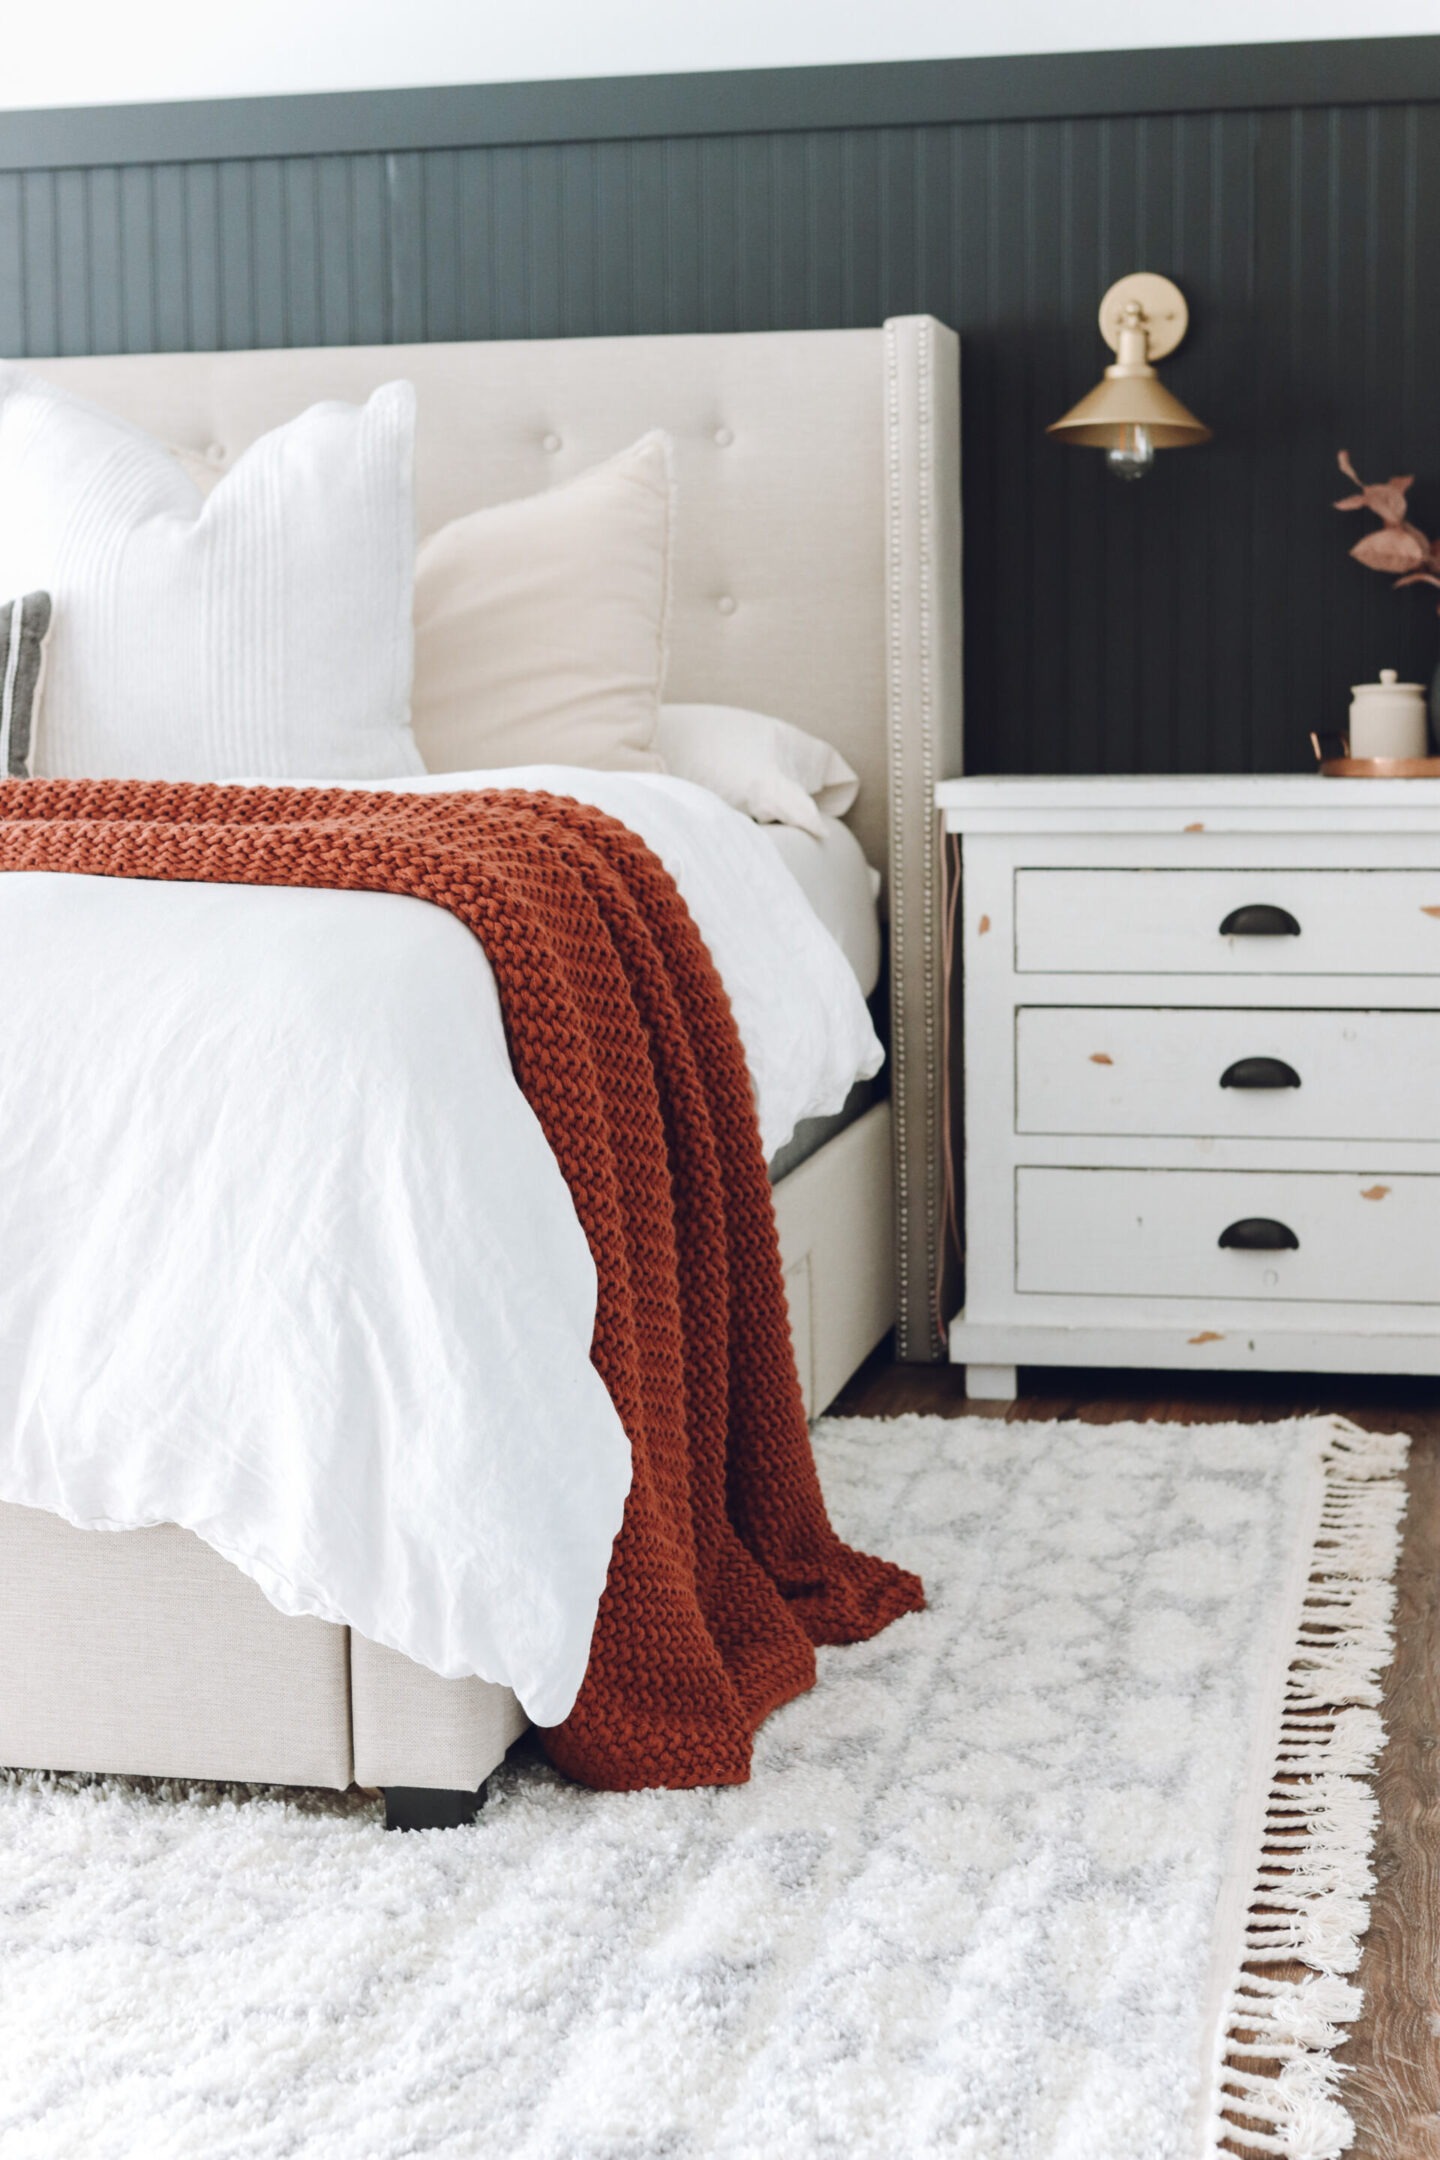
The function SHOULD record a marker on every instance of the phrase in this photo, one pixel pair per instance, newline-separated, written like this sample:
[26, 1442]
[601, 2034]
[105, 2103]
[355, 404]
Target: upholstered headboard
[817, 571]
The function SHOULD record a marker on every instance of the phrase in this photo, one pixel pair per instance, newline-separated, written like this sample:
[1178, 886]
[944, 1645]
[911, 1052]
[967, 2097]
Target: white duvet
[284, 1257]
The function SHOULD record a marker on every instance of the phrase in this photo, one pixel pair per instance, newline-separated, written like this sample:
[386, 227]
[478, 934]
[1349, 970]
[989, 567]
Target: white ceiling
[84, 52]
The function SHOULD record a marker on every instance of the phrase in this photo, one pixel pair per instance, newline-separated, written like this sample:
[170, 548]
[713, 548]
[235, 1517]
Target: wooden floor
[1393, 2059]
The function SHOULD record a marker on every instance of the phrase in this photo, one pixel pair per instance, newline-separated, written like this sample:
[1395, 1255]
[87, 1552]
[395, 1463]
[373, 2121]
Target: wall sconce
[1130, 414]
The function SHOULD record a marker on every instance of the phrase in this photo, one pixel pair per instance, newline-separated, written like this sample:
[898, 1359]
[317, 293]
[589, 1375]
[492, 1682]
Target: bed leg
[430, 1807]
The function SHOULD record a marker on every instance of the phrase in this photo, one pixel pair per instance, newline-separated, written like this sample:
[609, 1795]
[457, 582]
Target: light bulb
[1134, 454]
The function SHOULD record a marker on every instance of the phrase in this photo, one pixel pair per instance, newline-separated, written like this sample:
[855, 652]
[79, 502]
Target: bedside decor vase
[1388, 718]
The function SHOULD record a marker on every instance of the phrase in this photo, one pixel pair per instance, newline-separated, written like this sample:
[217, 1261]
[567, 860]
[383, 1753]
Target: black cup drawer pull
[1258, 1233]
[1259, 919]
[1259, 1072]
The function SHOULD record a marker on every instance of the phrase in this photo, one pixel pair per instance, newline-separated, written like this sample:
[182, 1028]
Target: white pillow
[265, 630]
[541, 625]
[774, 772]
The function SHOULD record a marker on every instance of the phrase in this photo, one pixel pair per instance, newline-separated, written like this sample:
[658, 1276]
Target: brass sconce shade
[1130, 413]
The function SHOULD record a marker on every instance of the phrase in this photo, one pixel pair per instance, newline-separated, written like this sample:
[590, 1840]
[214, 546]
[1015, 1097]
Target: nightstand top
[1190, 802]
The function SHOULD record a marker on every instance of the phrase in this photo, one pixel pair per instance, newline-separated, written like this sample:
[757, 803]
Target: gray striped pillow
[23, 627]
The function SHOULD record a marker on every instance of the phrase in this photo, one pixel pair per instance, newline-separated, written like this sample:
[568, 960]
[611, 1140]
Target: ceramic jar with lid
[1388, 719]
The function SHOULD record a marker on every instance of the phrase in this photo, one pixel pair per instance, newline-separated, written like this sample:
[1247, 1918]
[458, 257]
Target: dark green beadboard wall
[1202, 620]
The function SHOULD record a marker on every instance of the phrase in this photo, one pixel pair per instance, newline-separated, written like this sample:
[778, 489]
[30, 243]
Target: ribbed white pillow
[264, 631]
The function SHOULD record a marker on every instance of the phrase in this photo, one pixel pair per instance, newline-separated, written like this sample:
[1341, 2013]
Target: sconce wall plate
[1162, 304]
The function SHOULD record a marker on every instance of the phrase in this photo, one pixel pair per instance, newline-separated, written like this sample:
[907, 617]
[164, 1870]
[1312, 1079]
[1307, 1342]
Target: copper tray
[1374, 768]
[1381, 768]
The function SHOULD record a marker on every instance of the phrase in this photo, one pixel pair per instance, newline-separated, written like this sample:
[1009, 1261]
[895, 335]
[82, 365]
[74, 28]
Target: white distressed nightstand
[1201, 1074]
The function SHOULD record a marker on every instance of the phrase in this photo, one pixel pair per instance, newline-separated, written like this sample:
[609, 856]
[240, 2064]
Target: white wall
[88, 52]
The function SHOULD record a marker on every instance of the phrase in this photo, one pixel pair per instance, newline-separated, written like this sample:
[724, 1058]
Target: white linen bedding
[831, 870]
[287, 1260]
[806, 1038]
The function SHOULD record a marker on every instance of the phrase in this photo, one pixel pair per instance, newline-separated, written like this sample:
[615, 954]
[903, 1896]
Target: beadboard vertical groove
[1204, 619]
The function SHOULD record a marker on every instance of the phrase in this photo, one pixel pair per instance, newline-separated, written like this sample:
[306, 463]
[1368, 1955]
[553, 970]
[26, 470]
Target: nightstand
[1201, 1074]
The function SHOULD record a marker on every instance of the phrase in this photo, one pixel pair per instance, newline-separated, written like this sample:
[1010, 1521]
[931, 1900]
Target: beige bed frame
[818, 577]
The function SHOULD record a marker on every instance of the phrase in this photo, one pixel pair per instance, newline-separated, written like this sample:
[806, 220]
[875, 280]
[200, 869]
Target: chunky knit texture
[726, 1571]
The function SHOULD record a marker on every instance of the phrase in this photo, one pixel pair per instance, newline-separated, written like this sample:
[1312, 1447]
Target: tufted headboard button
[724, 437]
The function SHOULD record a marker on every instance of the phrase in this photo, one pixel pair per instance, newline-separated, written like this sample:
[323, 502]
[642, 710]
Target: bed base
[142, 1653]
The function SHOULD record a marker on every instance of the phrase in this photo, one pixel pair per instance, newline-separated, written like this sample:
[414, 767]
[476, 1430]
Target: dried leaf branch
[1399, 548]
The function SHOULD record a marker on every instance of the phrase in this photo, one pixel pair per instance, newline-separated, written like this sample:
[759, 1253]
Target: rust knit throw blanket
[726, 1571]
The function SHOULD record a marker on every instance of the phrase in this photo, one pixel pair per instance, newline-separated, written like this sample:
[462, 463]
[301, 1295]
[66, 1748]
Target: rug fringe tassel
[1310, 1899]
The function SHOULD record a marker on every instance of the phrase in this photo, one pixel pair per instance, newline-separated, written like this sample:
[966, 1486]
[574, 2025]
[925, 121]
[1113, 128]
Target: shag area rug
[1005, 1885]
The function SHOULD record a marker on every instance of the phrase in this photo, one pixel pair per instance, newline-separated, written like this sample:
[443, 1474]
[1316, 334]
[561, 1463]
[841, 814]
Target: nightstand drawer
[1320, 1236]
[1227, 922]
[1227, 1073]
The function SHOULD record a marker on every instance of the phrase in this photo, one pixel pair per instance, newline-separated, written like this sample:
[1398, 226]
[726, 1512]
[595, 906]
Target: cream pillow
[773, 771]
[541, 625]
[263, 630]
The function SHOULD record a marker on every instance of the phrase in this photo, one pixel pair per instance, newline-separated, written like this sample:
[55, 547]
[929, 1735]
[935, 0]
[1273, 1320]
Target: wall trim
[902, 93]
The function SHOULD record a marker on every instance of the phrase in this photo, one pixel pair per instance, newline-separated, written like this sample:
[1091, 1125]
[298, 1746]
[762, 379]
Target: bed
[818, 577]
